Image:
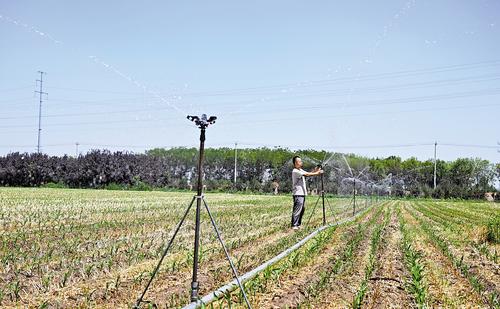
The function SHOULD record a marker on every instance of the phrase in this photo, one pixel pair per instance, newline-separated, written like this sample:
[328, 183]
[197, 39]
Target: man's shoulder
[298, 171]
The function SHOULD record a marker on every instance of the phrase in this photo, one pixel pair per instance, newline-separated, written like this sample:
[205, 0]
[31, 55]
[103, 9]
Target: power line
[90, 145]
[17, 99]
[437, 97]
[397, 74]
[323, 94]
[94, 91]
[407, 73]
[314, 83]
[65, 101]
[104, 122]
[273, 120]
[233, 145]
[469, 146]
[491, 91]
[369, 90]
[386, 146]
[358, 91]
[16, 89]
[335, 147]
[90, 113]
[448, 96]
[30, 146]
[281, 120]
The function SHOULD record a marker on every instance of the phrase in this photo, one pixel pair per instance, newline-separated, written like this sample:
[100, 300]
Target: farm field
[97, 248]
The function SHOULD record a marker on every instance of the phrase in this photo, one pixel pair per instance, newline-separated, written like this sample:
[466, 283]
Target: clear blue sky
[304, 74]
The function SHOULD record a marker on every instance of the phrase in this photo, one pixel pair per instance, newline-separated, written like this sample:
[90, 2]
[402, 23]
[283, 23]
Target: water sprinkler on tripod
[202, 123]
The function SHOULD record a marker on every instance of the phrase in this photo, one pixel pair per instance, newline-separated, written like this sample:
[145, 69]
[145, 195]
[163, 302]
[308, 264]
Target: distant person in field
[275, 185]
[299, 190]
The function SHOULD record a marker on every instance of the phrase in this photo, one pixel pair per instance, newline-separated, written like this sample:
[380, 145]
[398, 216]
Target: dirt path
[386, 287]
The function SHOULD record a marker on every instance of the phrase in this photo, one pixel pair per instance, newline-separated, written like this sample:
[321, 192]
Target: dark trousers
[299, 202]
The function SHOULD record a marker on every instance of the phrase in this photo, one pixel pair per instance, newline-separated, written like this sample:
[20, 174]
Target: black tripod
[202, 123]
[323, 199]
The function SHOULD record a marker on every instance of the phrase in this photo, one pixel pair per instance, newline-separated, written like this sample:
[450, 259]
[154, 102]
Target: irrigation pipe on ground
[217, 294]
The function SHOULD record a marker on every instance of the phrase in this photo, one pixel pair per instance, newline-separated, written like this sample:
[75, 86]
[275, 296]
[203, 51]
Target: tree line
[258, 170]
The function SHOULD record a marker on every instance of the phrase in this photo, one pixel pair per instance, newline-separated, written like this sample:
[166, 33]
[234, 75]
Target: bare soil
[386, 287]
[343, 287]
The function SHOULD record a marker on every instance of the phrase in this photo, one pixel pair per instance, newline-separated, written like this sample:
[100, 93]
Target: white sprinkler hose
[217, 294]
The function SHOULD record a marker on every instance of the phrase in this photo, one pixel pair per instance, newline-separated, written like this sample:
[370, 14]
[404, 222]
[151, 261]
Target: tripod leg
[312, 212]
[331, 209]
[235, 273]
[139, 300]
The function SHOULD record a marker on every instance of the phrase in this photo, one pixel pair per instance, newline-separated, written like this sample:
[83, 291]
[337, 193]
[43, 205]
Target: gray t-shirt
[299, 182]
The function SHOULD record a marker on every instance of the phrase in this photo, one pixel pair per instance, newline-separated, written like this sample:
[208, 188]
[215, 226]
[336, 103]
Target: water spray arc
[77, 52]
[202, 123]
[354, 182]
[322, 198]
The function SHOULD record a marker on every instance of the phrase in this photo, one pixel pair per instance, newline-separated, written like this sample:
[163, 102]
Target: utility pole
[41, 93]
[435, 164]
[76, 144]
[235, 161]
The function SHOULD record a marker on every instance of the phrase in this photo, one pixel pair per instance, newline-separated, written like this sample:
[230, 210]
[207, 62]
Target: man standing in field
[299, 190]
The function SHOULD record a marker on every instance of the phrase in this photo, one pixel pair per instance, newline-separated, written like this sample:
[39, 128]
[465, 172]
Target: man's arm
[316, 172]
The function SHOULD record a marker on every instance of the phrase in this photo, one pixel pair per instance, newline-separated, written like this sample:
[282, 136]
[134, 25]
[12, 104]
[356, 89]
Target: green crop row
[372, 261]
[417, 286]
[339, 263]
[492, 296]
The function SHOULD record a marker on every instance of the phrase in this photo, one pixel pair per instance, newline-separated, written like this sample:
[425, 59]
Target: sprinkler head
[202, 123]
